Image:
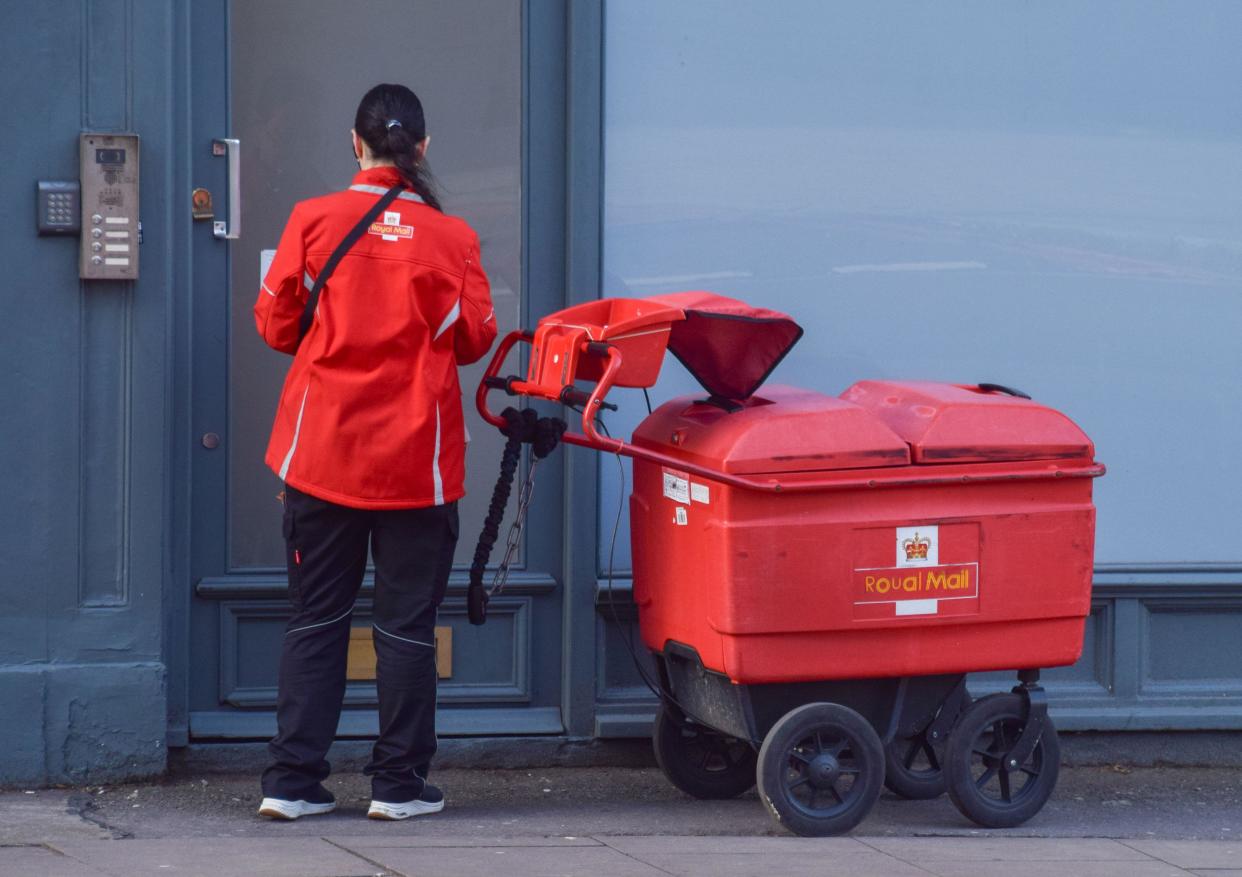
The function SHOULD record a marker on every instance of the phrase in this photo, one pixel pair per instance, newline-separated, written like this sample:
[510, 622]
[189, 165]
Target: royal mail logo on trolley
[918, 583]
[391, 228]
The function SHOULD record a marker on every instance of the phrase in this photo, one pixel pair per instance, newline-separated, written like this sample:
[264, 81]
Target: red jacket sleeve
[282, 296]
[476, 328]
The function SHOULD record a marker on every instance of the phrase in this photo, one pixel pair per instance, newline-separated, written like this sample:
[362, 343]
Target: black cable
[647, 396]
[628, 629]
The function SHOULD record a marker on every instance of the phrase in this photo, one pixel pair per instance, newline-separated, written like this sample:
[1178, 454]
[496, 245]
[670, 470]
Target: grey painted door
[288, 93]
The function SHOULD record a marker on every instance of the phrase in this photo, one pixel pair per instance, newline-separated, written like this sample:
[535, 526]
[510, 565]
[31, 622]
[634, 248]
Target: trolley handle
[591, 401]
[1001, 388]
[495, 382]
[492, 376]
[574, 396]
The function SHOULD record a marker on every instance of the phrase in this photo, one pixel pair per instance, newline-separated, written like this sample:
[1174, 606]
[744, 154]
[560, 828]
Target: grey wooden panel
[459, 722]
[1090, 677]
[104, 442]
[273, 584]
[491, 664]
[1192, 647]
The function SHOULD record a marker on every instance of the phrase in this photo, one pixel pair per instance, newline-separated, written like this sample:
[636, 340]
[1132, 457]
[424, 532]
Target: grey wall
[85, 457]
[1044, 195]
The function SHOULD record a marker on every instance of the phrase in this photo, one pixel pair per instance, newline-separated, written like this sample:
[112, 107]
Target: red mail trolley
[814, 575]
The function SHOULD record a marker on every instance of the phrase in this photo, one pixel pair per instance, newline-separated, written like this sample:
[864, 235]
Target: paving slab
[36, 817]
[350, 842]
[530, 861]
[218, 857]
[788, 857]
[1203, 854]
[822, 846]
[1006, 849]
[42, 862]
[1150, 868]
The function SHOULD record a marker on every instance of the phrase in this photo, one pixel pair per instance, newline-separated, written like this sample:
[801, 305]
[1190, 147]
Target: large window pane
[1047, 195]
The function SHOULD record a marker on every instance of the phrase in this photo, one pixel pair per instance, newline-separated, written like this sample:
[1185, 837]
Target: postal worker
[369, 440]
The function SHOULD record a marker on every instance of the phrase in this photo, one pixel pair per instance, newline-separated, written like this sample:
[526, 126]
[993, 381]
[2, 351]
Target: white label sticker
[918, 546]
[677, 486]
[682, 518]
[265, 262]
[116, 220]
[700, 493]
[916, 607]
[116, 261]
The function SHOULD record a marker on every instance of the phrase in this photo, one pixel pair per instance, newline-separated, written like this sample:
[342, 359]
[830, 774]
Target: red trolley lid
[729, 346]
[786, 429]
[954, 423]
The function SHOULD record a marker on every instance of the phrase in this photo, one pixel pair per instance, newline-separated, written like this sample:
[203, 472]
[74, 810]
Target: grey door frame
[561, 198]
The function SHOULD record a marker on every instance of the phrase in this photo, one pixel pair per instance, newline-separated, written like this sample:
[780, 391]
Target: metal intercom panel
[109, 177]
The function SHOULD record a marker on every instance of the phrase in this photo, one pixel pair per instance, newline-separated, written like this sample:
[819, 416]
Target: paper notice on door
[677, 486]
[700, 493]
[265, 262]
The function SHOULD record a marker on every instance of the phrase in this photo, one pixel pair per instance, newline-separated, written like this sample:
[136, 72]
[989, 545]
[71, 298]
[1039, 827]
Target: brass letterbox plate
[361, 664]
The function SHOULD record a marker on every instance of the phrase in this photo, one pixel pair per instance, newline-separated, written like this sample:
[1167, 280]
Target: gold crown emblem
[916, 548]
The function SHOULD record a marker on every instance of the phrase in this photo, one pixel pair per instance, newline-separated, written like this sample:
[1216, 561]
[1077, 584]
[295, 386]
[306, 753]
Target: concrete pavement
[408, 854]
[1102, 821]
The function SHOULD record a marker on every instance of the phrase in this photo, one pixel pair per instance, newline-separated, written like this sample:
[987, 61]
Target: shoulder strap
[312, 300]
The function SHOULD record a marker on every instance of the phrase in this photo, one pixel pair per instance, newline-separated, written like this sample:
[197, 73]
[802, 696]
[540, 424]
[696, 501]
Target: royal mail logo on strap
[922, 580]
[391, 228]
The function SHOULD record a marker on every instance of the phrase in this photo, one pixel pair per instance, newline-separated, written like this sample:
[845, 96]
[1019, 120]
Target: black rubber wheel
[914, 766]
[821, 769]
[702, 762]
[983, 785]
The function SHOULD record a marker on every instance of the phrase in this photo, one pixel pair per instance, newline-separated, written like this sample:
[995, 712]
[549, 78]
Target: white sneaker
[430, 801]
[275, 808]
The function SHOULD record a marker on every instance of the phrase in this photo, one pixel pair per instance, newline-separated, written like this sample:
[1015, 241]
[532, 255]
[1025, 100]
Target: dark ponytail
[390, 121]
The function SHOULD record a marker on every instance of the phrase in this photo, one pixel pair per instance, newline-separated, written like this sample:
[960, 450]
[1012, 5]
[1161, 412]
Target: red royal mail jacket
[371, 413]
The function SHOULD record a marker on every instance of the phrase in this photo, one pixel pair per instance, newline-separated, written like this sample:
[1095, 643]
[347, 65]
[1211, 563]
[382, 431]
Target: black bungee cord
[543, 434]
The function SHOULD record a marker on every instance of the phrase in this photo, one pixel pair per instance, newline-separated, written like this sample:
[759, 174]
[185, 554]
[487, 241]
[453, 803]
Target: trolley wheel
[914, 767]
[702, 762]
[821, 769]
[983, 785]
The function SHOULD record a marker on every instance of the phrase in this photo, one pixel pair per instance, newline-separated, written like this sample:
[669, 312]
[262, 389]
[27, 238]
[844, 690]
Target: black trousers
[327, 555]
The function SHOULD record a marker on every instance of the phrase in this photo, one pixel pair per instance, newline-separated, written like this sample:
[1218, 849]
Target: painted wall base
[82, 723]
